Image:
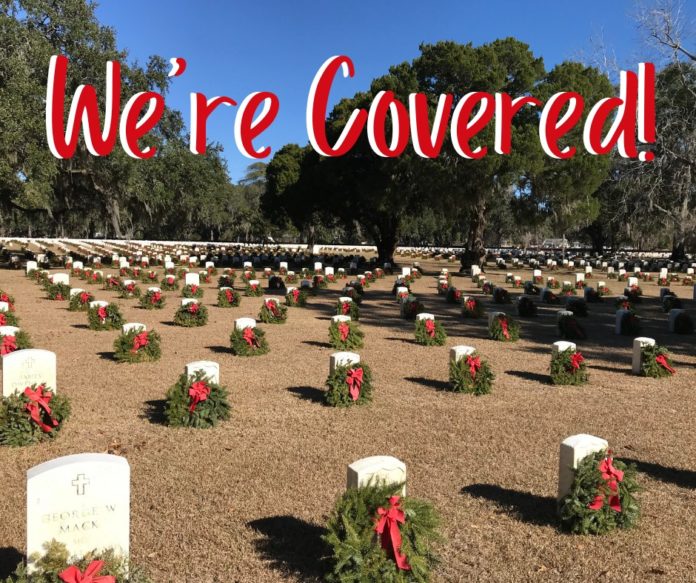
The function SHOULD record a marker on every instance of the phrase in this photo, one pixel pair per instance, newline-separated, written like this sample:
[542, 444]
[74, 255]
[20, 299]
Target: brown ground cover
[247, 501]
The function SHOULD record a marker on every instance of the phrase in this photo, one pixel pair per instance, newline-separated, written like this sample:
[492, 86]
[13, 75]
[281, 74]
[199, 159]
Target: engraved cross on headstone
[80, 482]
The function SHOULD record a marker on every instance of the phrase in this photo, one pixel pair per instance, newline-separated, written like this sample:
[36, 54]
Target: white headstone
[82, 501]
[340, 318]
[475, 270]
[61, 278]
[493, 315]
[405, 271]
[632, 281]
[383, 469]
[241, 323]
[210, 369]
[317, 266]
[329, 270]
[192, 279]
[461, 351]
[562, 314]
[32, 265]
[637, 359]
[75, 291]
[154, 289]
[424, 316]
[344, 299]
[342, 358]
[23, 368]
[579, 277]
[562, 346]
[8, 330]
[187, 301]
[98, 304]
[619, 316]
[133, 326]
[78, 265]
[573, 450]
[209, 264]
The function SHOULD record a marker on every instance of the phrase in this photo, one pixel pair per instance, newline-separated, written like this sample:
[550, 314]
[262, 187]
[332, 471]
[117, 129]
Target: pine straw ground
[247, 501]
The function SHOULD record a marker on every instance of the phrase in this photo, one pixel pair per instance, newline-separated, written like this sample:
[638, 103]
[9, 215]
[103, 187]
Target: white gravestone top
[377, 469]
[341, 359]
[23, 368]
[210, 369]
[461, 351]
[242, 323]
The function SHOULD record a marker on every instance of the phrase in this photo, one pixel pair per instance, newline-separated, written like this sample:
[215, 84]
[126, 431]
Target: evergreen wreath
[568, 368]
[190, 315]
[149, 277]
[674, 277]
[253, 290]
[578, 306]
[602, 496]
[501, 296]
[229, 298]
[688, 280]
[205, 277]
[634, 293]
[538, 279]
[454, 296]
[105, 317]
[683, 324]
[663, 281]
[624, 303]
[442, 288]
[504, 329]
[169, 283]
[130, 290]
[112, 283]
[487, 287]
[603, 290]
[429, 332]
[472, 308]
[296, 298]
[96, 278]
[346, 336]
[530, 289]
[137, 345]
[319, 282]
[291, 278]
[275, 282]
[192, 291]
[570, 329]
[226, 280]
[400, 283]
[656, 362]
[526, 308]
[20, 340]
[411, 307]
[568, 290]
[196, 401]
[553, 283]
[670, 302]
[152, 300]
[349, 384]
[8, 299]
[8, 319]
[360, 554]
[580, 284]
[272, 312]
[471, 374]
[59, 292]
[516, 283]
[348, 309]
[630, 324]
[31, 416]
[249, 342]
[80, 302]
[622, 277]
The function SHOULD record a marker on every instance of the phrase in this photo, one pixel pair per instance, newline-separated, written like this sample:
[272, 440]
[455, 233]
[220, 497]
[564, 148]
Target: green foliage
[256, 345]
[192, 291]
[497, 329]
[272, 312]
[8, 319]
[229, 298]
[59, 291]
[454, 296]
[466, 377]
[501, 296]
[563, 372]
[570, 329]
[191, 315]
[226, 280]
[17, 427]
[22, 340]
[348, 309]
[125, 351]
[472, 308]
[129, 291]
[578, 518]
[356, 553]
[80, 302]
[434, 337]
[152, 300]
[169, 283]
[110, 320]
[650, 367]
[353, 340]
[253, 291]
[207, 413]
[411, 307]
[338, 394]
[298, 299]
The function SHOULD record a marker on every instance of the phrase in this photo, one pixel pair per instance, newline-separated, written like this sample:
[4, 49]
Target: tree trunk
[475, 249]
[386, 246]
[678, 250]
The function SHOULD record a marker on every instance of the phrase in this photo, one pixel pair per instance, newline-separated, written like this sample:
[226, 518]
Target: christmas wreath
[504, 328]
[346, 336]
[624, 303]
[275, 282]
[580, 284]
[205, 277]
[152, 300]
[602, 291]
[8, 319]
[319, 282]
[442, 288]
[379, 273]
[688, 280]
[516, 283]
[429, 332]
[683, 324]
[349, 384]
[32, 416]
[112, 283]
[471, 374]
[129, 290]
[296, 298]
[104, 317]
[248, 275]
[96, 278]
[248, 342]
[59, 292]
[228, 298]
[663, 281]
[553, 283]
[272, 312]
[526, 308]
[192, 290]
[454, 296]
[11, 342]
[538, 279]
[196, 401]
[568, 368]
[487, 288]
[501, 296]
[149, 277]
[355, 290]
[169, 283]
[570, 329]
[472, 308]
[602, 496]
[226, 280]
[291, 278]
[674, 277]
[253, 290]
[80, 302]
[126, 272]
[411, 307]
[137, 345]
[655, 362]
[509, 278]
[190, 315]
[671, 302]
[348, 309]
[376, 535]
[578, 306]
[400, 283]
[630, 324]
[633, 293]
[8, 299]
[622, 277]
[568, 290]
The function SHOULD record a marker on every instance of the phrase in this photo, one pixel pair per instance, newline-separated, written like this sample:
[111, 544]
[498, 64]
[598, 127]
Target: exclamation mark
[646, 108]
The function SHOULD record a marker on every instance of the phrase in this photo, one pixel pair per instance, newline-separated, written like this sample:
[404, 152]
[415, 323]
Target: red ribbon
[198, 392]
[3, 319]
[474, 365]
[661, 359]
[192, 308]
[504, 327]
[271, 305]
[101, 312]
[73, 575]
[576, 360]
[470, 305]
[296, 294]
[59, 297]
[139, 341]
[457, 295]
[609, 491]
[228, 295]
[390, 536]
[155, 297]
[343, 330]
[9, 344]
[250, 338]
[84, 297]
[354, 380]
[39, 401]
[130, 288]
[194, 289]
[430, 327]
[345, 308]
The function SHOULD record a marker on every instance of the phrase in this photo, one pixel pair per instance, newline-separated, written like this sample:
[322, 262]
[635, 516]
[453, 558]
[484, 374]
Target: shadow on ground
[10, 557]
[524, 506]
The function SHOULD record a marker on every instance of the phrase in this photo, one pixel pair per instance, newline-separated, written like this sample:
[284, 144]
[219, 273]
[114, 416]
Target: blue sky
[234, 48]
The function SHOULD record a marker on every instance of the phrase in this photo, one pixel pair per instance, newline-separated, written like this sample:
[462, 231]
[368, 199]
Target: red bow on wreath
[504, 328]
[39, 400]
[390, 536]
[609, 491]
[250, 338]
[155, 297]
[354, 381]
[101, 312]
[474, 363]
[9, 344]
[296, 294]
[84, 297]
[73, 575]
[198, 392]
[271, 305]
[59, 297]
[430, 327]
[345, 308]
[130, 288]
[661, 359]
[457, 295]
[3, 319]
[139, 341]
[194, 288]
[576, 360]
[228, 295]
[193, 308]
[470, 305]
[343, 330]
